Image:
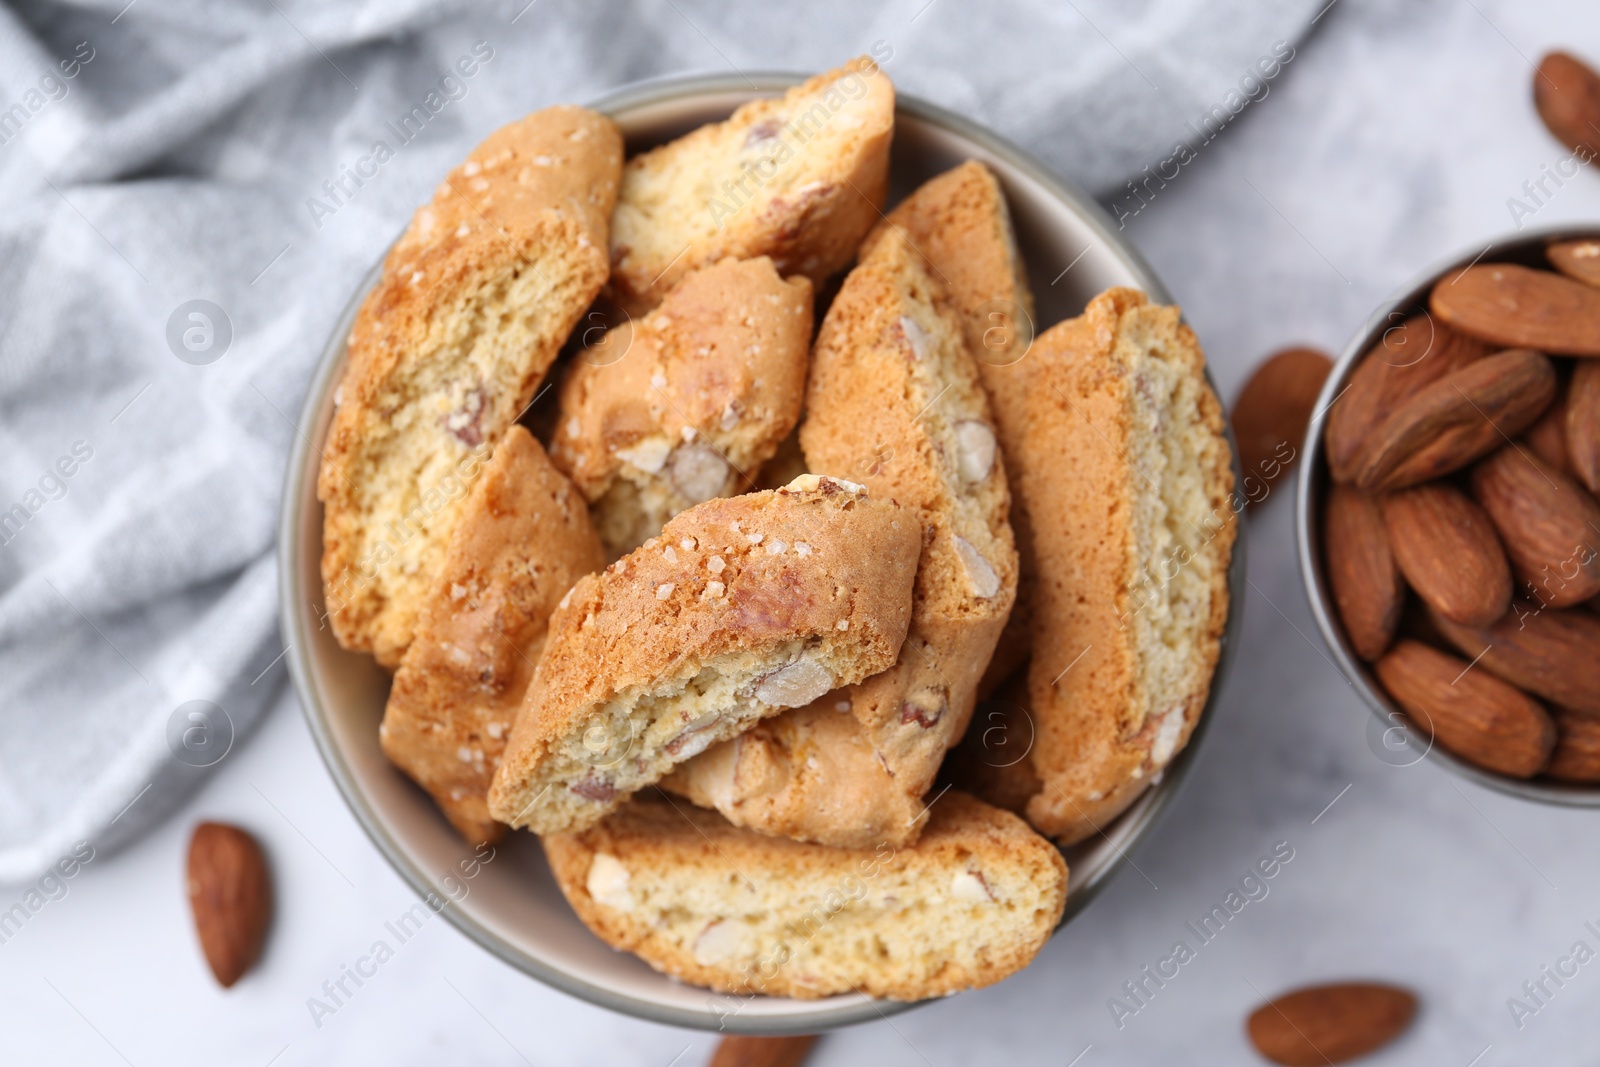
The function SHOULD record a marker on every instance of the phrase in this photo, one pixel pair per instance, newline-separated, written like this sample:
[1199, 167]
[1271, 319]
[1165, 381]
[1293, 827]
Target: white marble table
[1394, 138]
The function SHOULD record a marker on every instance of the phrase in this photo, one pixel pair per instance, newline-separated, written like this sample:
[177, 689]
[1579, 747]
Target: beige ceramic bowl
[511, 906]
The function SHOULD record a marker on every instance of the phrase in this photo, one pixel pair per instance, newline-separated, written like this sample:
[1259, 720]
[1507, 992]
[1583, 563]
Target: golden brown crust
[564, 158]
[524, 538]
[894, 400]
[1133, 538]
[959, 223]
[743, 606]
[685, 403]
[445, 353]
[800, 178]
[968, 904]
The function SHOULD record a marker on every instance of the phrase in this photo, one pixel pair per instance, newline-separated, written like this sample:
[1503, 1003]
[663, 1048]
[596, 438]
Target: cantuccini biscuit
[960, 224]
[685, 403]
[971, 902]
[893, 400]
[523, 540]
[447, 350]
[800, 178]
[1128, 477]
[742, 607]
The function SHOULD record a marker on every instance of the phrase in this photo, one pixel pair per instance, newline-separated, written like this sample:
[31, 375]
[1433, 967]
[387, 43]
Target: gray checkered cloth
[181, 234]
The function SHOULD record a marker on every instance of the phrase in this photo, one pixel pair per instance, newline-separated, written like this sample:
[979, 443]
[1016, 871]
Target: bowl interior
[1391, 744]
[511, 905]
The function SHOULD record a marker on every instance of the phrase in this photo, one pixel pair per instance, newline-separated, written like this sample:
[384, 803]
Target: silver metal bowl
[511, 906]
[1395, 738]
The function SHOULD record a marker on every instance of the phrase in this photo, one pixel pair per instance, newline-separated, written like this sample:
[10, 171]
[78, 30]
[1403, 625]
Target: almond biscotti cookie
[695, 897]
[523, 540]
[801, 178]
[686, 403]
[960, 224]
[1133, 537]
[742, 607]
[894, 400]
[447, 351]
[563, 157]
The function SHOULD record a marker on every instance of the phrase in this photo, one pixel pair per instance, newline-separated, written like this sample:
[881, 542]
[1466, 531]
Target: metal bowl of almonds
[1448, 517]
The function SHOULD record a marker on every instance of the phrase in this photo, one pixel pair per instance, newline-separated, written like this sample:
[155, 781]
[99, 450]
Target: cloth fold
[161, 162]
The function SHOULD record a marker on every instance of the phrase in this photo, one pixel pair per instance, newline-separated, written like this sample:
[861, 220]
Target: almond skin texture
[1409, 357]
[1577, 755]
[1547, 438]
[1519, 307]
[1471, 713]
[1448, 551]
[1458, 418]
[1583, 425]
[1549, 525]
[1567, 94]
[1273, 410]
[1361, 569]
[763, 1051]
[1550, 653]
[1330, 1023]
[1578, 260]
[230, 894]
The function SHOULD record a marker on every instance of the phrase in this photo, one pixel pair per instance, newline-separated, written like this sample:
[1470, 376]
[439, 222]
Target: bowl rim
[1313, 477]
[842, 1011]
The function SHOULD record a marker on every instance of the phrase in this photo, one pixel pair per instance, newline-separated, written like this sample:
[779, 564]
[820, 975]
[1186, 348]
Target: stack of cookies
[712, 625]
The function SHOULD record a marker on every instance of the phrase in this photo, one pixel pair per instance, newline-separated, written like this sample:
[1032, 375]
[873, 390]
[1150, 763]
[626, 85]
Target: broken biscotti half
[523, 539]
[742, 607]
[1134, 536]
[686, 403]
[960, 224]
[893, 400]
[702, 900]
[445, 354]
[800, 178]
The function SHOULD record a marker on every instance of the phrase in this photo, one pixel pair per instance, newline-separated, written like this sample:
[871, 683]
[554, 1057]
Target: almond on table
[742, 1051]
[1273, 411]
[1566, 91]
[1329, 1024]
[230, 895]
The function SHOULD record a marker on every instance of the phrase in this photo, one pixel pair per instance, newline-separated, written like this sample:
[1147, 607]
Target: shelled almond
[1464, 455]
